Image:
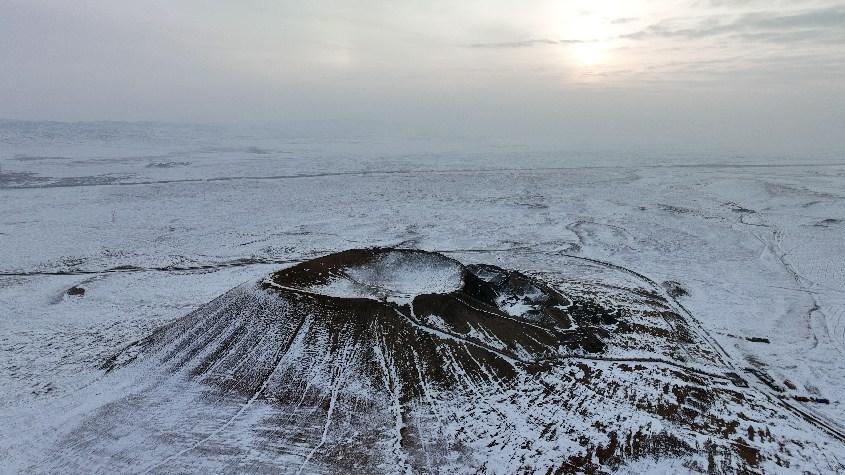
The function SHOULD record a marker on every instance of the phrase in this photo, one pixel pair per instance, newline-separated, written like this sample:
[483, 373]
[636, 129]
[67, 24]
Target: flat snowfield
[109, 231]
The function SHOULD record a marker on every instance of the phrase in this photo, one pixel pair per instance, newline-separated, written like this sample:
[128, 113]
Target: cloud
[822, 24]
[795, 37]
[524, 43]
[748, 3]
[623, 21]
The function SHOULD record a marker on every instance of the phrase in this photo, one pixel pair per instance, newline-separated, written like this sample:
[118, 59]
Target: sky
[733, 76]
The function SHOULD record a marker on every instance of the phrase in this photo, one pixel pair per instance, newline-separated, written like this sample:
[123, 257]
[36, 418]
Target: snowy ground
[153, 221]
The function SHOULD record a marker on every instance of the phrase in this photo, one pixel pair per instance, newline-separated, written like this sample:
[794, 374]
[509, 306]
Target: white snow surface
[154, 221]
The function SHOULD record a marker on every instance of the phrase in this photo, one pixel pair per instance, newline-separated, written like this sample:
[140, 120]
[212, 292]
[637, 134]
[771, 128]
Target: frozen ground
[153, 221]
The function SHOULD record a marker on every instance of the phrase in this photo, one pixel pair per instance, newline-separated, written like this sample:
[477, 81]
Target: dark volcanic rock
[675, 289]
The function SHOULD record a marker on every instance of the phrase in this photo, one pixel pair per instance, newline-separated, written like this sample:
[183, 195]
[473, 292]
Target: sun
[589, 53]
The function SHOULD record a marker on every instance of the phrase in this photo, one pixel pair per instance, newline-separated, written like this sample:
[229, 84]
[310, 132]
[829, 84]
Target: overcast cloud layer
[740, 76]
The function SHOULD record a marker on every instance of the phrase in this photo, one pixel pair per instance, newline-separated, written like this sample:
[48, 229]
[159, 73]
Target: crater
[387, 275]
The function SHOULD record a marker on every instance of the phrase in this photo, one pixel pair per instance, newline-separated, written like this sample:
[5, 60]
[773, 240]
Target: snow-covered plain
[153, 221]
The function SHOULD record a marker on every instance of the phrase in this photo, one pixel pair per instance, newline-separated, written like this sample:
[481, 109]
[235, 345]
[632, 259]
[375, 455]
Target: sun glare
[589, 54]
[589, 36]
